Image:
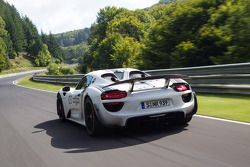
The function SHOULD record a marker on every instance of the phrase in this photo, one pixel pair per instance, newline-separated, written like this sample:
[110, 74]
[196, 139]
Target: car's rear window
[119, 74]
[137, 74]
[109, 76]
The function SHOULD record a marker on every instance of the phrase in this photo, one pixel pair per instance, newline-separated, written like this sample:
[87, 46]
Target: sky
[57, 16]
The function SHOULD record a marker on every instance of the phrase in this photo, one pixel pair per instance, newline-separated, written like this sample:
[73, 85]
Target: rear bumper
[159, 118]
[123, 119]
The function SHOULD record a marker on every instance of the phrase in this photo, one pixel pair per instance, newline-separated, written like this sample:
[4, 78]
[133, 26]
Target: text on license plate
[155, 103]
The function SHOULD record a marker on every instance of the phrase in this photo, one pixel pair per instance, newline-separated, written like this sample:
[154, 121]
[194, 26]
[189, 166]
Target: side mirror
[66, 89]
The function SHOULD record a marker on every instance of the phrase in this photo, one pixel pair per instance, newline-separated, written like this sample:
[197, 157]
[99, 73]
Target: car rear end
[149, 100]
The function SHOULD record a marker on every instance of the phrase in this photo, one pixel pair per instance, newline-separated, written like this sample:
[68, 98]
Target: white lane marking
[16, 84]
[22, 73]
[224, 120]
[199, 116]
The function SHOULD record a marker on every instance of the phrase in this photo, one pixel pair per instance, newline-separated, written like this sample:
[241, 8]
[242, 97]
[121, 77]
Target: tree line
[19, 35]
[73, 44]
[72, 38]
[172, 33]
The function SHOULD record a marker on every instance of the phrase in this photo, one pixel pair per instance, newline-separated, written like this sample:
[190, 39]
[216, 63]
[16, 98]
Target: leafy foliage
[167, 1]
[53, 46]
[72, 54]
[19, 36]
[72, 38]
[116, 39]
[44, 57]
[55, 69]
[73, 44]
[3, 47]
[173, 33]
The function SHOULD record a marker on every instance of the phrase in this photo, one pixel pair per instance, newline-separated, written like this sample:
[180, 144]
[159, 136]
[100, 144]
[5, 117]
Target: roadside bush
[54, 69]
[2, 62]
[67, 71]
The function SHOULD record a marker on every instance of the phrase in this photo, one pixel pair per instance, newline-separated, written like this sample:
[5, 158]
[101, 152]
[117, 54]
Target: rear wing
[132, 81]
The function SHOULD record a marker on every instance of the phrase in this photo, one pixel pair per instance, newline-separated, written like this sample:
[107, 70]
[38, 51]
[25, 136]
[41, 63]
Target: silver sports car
[118, 97]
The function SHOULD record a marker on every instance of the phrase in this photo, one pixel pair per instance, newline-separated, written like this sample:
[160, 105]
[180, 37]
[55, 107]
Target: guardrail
[66, 79]
[239, 68]
[230, 78]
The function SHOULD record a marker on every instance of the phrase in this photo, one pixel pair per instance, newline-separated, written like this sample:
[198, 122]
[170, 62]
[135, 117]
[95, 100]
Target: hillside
[73, 44]
[167, 1]
[73, 54]
[18, 35]
[72, 38]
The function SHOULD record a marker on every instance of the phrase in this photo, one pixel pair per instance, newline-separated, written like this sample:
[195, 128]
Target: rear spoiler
[132, 81]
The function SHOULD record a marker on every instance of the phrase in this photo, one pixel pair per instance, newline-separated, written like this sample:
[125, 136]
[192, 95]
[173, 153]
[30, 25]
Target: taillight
[180, 87]
[115, 94]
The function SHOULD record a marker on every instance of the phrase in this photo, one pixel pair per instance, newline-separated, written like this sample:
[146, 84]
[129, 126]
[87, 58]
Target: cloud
[64, 15]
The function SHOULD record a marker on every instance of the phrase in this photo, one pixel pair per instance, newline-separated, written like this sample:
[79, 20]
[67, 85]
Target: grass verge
[16, 70]
[226, 106]
[27, 82]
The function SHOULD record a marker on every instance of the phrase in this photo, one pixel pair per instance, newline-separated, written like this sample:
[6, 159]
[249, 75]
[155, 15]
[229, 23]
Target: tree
[15, 28]
[44, 57]
[127, 26]
[173, 33]
[167, 1]
[3, 47]
[127, 52]
[34, 42]
[53, 46]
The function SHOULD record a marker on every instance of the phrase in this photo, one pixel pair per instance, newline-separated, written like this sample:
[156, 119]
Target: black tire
[60, 109]
[93, 125]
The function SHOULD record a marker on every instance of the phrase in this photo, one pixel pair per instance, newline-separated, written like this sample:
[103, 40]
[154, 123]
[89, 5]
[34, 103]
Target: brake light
[181, 87]
[113, 95]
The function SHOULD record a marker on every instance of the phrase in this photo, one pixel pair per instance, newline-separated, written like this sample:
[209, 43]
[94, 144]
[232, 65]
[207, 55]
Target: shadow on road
[74, 139]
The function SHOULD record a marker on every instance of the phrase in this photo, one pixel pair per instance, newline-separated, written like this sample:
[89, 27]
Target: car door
[77, 97]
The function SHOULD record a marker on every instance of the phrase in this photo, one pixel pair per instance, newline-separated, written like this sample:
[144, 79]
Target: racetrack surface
[32, 136]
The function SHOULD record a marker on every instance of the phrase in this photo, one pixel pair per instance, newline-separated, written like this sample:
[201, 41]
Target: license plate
[155, 104]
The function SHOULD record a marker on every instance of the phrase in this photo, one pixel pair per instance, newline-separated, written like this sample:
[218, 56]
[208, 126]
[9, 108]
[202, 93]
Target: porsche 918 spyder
[118, 97]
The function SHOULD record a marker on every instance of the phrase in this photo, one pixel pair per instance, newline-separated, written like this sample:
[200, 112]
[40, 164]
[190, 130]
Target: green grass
[227, 106]
[27, 82]
[233, 107]
[20, 64]
[16, 70]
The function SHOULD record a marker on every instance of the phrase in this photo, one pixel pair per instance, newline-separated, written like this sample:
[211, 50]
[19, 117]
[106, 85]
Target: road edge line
[223, 120]
[16, 84]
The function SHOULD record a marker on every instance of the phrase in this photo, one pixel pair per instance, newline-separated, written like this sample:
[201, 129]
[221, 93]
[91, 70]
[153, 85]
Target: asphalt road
[32, 136]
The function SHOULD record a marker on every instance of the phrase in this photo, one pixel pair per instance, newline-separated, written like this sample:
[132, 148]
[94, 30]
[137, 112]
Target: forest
[73, 44]
[18, 35]
[172, 33]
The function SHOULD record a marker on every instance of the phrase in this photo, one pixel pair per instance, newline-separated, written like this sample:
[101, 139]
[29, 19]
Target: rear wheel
[60, 109]
[93, 125]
